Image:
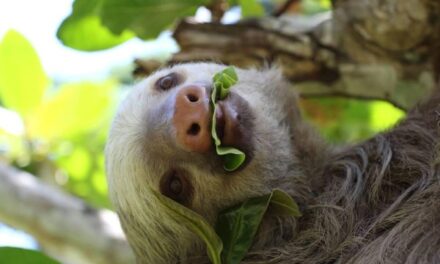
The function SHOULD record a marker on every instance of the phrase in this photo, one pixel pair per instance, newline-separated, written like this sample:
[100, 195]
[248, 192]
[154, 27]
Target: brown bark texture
[363, 48]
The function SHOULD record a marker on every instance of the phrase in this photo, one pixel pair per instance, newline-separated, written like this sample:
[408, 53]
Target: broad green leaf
[251, 8]
[222, 83]
[22, 78]
[238, 225]
[147, 18]
[83, 29]
[75, 108]
[232, 157]
[196, 224]
[23, 256]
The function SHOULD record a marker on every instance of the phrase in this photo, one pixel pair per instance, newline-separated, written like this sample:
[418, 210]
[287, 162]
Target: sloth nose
[192, 117]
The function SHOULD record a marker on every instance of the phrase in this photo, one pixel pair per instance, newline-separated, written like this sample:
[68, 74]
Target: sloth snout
[192, 118]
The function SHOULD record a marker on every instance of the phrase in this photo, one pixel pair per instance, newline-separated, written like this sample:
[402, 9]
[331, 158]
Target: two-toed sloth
[374, 202]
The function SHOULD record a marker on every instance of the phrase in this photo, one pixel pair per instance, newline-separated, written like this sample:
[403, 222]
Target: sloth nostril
[194, 129]
[192, 98]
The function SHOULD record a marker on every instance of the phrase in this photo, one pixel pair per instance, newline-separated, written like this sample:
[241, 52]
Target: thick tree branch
[65, 226]
[364, 49]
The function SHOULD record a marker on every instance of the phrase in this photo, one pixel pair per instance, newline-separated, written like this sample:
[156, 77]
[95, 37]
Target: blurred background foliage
[57, 130]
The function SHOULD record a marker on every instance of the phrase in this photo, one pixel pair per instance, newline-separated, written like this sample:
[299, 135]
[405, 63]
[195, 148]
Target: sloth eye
[167, 82]
[175, 185]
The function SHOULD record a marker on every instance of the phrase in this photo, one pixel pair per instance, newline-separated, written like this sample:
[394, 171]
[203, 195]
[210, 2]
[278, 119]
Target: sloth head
[161, 140]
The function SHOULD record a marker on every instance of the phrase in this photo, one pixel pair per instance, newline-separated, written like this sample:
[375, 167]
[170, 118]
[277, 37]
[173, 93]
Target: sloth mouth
[234, 124]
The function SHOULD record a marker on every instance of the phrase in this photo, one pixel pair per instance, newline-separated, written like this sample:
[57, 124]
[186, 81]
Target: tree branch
[363, 49]
[66, 227]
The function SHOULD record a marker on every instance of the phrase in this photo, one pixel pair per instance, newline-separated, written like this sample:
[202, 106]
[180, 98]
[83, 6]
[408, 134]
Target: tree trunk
[65, 226]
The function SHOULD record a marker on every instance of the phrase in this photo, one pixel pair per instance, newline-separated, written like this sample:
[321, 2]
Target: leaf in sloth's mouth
[235, 228]
[232, 157]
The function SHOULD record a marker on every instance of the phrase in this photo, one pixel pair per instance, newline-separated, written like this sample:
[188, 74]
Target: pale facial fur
[141, 148]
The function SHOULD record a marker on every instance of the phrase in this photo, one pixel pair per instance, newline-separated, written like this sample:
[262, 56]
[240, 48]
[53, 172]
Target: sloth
[377, 201]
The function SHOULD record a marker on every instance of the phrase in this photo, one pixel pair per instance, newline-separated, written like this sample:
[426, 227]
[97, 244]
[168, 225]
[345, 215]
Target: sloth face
[161, 139]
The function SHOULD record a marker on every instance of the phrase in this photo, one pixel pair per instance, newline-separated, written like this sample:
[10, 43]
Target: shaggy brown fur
[378, 202]
[375, 202]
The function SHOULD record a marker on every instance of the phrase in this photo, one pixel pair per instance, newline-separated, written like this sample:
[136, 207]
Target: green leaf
[238, 225]
[223, 81]
[283, 204]
[251, 8]
[196, 224]
[22, 78]
[83, 30]
[232, 157]
[147, 18]
[23, 256]
[74, 109]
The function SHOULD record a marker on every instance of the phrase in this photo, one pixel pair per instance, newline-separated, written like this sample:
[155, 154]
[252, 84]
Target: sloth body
[374, 202]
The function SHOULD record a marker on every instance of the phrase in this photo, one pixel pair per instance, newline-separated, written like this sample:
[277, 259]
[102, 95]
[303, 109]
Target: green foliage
[101, 24]
[238, 225]
[350, 120]
[23, 256]
[65, 128]
[74, 109]
[251, 8]
[22, 78]
[83, 29]
[315, 6]
[147, 18]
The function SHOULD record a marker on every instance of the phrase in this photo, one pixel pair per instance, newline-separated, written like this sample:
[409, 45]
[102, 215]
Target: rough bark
[364, 48]
[66, 227]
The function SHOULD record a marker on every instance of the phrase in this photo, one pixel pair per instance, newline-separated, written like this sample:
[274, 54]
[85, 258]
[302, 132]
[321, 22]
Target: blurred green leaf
[384, 115]
[77, 164]
[350, 120]
[22, 78]
[23, 256]
[83, 29]
[315, 6]
[251, 8]
[75, 108]
[147, 18]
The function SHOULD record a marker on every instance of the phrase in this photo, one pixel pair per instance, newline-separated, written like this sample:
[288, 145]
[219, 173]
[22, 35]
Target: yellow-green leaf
[74, 109]
[22, 78]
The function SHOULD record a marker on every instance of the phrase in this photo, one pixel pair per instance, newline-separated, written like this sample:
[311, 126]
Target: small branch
[66, 227]
[361, 47]
[218, 9]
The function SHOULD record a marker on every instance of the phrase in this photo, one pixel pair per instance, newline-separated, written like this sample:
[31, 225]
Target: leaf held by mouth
[232, 157]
